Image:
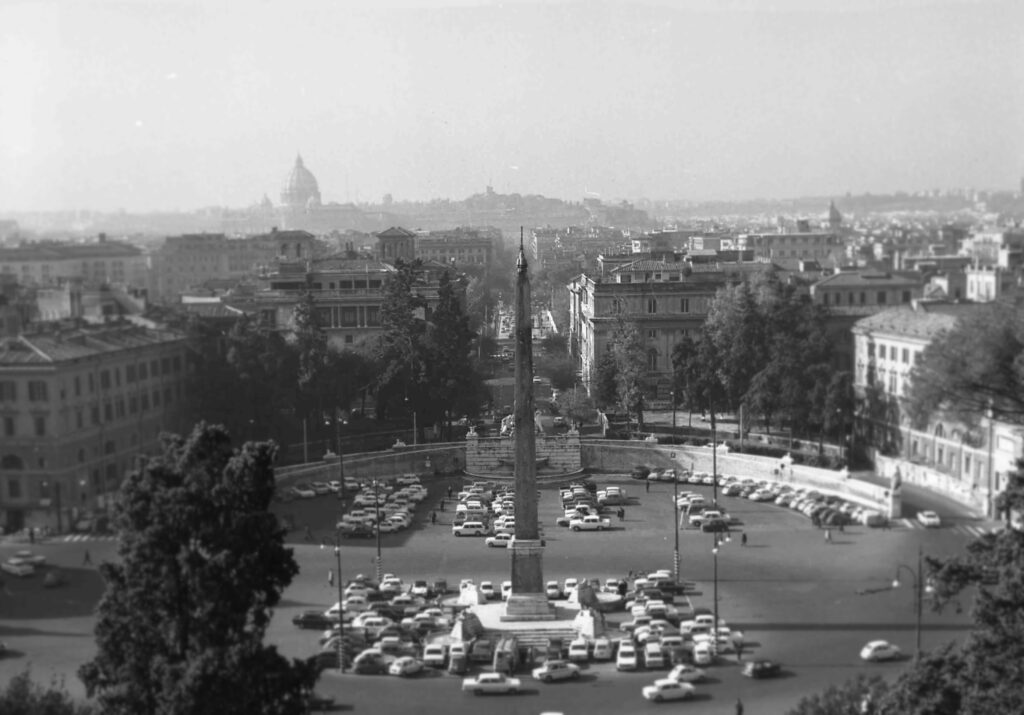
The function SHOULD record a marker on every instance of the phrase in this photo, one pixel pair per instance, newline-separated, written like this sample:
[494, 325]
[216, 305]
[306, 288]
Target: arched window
[939, 431]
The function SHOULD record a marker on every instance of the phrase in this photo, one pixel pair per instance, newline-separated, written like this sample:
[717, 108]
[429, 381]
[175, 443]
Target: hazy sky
[162, 105]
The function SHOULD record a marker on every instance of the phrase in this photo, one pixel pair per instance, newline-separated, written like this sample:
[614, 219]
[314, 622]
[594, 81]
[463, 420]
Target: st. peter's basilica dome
[300, 189]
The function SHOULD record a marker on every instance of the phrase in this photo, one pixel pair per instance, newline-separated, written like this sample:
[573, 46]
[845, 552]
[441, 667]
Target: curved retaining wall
[622, 456]
[435, 458]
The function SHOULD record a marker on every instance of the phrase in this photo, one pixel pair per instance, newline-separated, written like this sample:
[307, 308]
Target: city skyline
[176, 106]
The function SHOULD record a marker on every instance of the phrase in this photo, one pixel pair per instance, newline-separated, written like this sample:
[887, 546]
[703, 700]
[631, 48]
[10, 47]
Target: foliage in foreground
[24, 696]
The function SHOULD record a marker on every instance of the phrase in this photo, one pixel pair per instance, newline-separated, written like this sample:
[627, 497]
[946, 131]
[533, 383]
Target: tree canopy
[23, 696]
[201, 564]
[974, 368]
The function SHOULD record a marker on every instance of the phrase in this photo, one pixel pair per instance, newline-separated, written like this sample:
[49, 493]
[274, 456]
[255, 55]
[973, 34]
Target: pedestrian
[31, 535]
[739, 651]
[739, 707]
[87, 560]
[442, 505]
[743, 539]
[330, 577]
[622, 514]
[309, 534]
[647, 485]
[841, 530]
[449, 491]
[828, 536]
[433, 517]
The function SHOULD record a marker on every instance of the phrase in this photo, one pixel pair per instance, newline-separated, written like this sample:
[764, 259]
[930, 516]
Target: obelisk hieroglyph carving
[527, 600]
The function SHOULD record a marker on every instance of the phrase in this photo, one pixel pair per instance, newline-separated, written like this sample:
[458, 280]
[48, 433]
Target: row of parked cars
[824, 509]
[383, 507]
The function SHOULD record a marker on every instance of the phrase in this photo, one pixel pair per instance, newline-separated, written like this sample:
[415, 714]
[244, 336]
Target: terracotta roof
[52, 347]
[923, 321]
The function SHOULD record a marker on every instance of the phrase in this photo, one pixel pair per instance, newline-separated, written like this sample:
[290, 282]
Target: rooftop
[923, 319]
[53, 346]
[862, 279]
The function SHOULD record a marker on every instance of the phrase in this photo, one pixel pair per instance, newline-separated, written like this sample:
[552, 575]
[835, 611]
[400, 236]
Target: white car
[579, 650]
[553, 590]
[704, 653]
[602, 648]
[591, 522]
[27, 557]
[626, 658]
[553, 670]
[491, 683]
[435, 655]
[686, 673]
[487, 589]
[929, 518]
[668, 689]
[405, 666]
[879, 650]
[303, 490]
[17, 568]
[500, 540]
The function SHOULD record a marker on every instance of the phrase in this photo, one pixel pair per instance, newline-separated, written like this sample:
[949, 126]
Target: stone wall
[444, 458]
[496, 455]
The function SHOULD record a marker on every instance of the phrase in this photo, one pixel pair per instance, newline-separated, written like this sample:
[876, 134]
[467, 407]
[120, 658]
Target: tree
[561, 371]
[23, 696]
[555, 344]
[846, 699]
[606, 380]
[983, 675]
[974, 368]
[402, 384]
[201, 564]
[311, 353]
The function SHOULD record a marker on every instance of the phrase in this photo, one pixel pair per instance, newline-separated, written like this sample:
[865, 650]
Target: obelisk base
[527, 602]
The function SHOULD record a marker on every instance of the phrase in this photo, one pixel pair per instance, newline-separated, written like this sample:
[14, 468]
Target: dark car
[640, 472]
[712, 525]
[761, 669]
[358, 531]
[312, 619]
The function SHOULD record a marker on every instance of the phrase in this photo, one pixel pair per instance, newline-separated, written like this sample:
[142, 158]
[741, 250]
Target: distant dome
[300, 188]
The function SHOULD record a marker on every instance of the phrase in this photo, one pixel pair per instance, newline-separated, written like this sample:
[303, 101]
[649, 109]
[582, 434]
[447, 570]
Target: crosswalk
[85, 537]
[971, 530]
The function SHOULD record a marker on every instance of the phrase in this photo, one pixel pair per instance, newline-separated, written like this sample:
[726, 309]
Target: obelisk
[527, 602]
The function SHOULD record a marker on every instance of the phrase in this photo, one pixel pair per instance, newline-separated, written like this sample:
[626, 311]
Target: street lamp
[917, 581]
[714, 456]
[341, 613]
[675, 502]
[376, 506]
[719, 539]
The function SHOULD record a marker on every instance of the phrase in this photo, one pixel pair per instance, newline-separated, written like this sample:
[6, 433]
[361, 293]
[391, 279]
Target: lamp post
[919, 588]
[341, 615]
[719, 539]
[376, 506]
[675, 502]
[714, 456]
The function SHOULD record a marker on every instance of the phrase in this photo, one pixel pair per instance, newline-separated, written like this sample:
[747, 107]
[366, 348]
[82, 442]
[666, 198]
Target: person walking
[442, 505]
[828, 536]
[31, 535]
[433, 517]
[647, 485]
[309, 534]
[739, 707]
[87, 559]
[743, 539]
[449, 491]
[330, 577]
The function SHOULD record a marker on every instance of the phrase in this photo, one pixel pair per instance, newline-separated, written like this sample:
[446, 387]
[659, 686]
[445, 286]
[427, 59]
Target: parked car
[305, 491]
[626, 658]
[435, 655]
[17, 568]
[491, 684]
[553, 590]
[579, 650]
[313, 619]
[761, 669]
[686, 673]
[553, 670]
[501, 540]
[654, 656]
[880, 650]
[469, 528]
[929, 518]
[667, 689]
[27, 557]
[602, 649]
[405, 666]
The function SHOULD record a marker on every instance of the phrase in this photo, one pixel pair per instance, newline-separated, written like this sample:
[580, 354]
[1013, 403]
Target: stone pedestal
[527, 602]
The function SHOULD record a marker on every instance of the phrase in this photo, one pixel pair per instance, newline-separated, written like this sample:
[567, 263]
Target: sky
[174, 105]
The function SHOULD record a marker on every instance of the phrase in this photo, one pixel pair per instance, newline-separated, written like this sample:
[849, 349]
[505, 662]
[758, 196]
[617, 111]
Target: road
[798, 599]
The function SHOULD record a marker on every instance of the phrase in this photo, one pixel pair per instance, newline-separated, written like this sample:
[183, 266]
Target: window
[37, 391]
[176, 362]
[133, 405]
[154, 368]
[892, 382]
[863, 298]
[905, 357]
[8, 426]
[144, 399]
[108, 412]
[40, 424]
[165, 366]
[348, 317]
[8, 391]
[14, 488]
[372, 315]
[167, 396]
[906, 296]
[95, 415]
[881, 297]
[652, 305]
[652, 360]
[871, 349]
[78, 386]
[120, 407]
[79, 419]
[939, 455]
[824, 298]
[105, 379]
[881, 352]
[684, 305]
[117, 376]
[967, 463]
[652, 334]
[156, 398]
[129, 374]
[348, 339]
[917, 357]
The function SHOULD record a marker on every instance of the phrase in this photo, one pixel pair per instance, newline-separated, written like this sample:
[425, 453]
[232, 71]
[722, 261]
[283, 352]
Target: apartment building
[965, 463]
[665, 300]
[457, 247]
[76, 408]
[97, 262]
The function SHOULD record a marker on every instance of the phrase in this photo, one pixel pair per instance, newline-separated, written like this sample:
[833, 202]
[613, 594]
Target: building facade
[458, 247]
[76, 409]
[665, 300]
[965, 463]
[96, 263]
